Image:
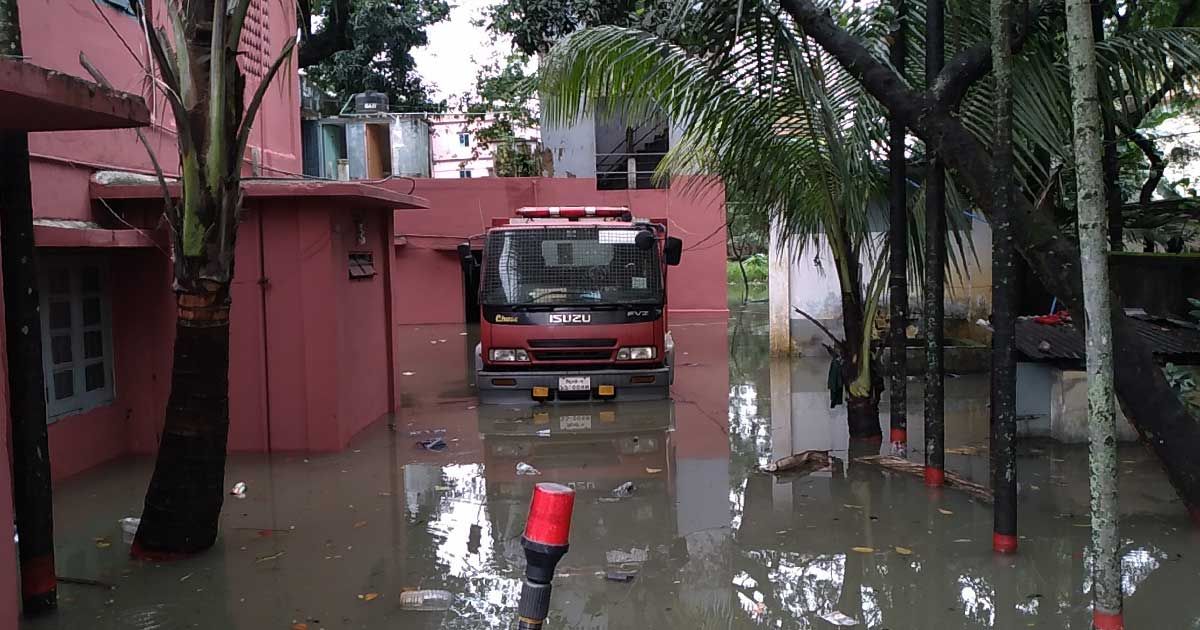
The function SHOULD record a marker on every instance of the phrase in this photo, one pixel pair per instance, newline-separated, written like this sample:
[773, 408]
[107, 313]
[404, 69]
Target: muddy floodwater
[332, 540]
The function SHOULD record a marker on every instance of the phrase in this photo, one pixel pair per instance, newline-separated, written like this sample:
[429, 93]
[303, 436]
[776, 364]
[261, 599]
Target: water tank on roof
[370, 103]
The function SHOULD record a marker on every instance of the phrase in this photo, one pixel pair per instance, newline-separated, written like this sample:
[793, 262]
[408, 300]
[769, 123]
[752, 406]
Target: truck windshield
[575, 266]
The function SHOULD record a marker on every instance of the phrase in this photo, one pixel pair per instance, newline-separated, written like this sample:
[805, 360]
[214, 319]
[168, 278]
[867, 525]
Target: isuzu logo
[570, 318]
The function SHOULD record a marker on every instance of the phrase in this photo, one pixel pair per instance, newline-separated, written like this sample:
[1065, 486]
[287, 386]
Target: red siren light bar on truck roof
[574, 212]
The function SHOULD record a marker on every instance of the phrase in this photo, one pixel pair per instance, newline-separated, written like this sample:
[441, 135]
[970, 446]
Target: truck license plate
[574, 383]
[575, 423]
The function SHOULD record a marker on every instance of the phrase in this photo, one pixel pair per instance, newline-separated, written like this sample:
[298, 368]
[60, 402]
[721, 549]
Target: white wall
[813, 287]
[572, 148]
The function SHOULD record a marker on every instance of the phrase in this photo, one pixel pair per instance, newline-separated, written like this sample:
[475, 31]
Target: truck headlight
[637, 353]
[508, 355]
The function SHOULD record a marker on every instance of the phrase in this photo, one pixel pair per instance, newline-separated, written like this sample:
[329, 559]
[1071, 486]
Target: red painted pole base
[1108, 621]
[1004, 543]
[899, 436]
[935, 477]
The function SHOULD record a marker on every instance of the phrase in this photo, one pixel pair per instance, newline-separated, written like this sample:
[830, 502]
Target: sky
[456, 49]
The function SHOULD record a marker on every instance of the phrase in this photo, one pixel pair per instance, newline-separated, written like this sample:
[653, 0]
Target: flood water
[331, 541]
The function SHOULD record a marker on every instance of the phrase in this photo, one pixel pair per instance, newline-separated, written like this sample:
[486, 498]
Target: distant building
[457, 149]
[378, 145]
[620, 150]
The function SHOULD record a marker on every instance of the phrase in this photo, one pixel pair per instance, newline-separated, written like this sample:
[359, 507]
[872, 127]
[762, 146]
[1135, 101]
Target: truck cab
[574, 307]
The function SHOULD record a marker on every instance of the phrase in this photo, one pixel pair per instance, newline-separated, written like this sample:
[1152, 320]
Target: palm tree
[788, 131]
[205, 88]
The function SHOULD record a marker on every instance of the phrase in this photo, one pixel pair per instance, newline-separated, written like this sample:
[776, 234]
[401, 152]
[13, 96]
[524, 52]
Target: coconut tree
[196, 56]
[788, 131]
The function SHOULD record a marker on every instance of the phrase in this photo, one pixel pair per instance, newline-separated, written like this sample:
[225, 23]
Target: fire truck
[574, 307]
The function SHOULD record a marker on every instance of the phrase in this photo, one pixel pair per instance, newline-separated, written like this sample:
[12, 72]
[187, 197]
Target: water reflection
[712, 542]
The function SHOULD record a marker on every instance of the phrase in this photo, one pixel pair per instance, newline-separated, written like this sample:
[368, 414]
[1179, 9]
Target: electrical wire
[697, 244]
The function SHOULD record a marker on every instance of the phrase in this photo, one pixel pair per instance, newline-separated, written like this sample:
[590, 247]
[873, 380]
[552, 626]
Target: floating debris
[805, 462]
[526, 469]
[624, 490]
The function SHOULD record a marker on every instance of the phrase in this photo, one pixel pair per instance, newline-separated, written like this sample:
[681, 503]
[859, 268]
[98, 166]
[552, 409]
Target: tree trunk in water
[862, 412]
[1093, 246]
[1159, 415]
[935, 268]
[898, 249]
[1004, 293]
[183, 503]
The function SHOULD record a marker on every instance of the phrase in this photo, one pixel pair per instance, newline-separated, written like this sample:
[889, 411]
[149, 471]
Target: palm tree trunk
[1004, 293]
[1093, 246]
[862, 411]
[183, 502]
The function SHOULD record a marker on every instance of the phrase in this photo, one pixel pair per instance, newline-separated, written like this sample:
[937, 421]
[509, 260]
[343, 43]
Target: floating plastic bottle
[426, 599]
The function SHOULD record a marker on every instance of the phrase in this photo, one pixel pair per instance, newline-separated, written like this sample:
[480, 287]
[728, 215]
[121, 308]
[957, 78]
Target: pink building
[457, 150]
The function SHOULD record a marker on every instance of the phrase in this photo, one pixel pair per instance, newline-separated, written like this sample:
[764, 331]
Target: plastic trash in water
[624, 490]
[239, 490]
[526, 469]
[129, 527]
[433, 444]
[426, 599]
[838, 618]
[633, 556]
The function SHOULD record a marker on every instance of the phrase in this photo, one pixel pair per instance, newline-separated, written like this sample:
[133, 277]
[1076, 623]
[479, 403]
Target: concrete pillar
[780, 287]
[782, 443]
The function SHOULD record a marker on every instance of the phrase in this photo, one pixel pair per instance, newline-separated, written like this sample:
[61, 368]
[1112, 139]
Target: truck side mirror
[464, 253]
[672, 251]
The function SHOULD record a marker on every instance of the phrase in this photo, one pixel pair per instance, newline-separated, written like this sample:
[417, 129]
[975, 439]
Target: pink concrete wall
[362, 374]
[56, 31]
[247, 385]
[427, 266]
[141, 368]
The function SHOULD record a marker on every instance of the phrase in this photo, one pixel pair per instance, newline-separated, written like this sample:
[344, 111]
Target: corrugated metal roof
[1169, 339]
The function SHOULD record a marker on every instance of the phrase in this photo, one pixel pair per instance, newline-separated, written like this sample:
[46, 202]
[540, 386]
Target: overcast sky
[456, 49]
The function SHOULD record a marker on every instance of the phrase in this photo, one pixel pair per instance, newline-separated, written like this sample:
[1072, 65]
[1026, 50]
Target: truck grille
[572, 355]
[572, 343]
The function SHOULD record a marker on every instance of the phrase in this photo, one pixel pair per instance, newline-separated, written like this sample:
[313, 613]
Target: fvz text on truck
[574, 307]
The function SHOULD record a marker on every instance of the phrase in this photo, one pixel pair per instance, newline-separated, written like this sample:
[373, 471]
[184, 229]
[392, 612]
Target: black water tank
[370, 103]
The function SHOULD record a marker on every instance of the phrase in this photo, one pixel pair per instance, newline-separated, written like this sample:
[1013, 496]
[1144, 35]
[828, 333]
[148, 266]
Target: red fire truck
[574, 307]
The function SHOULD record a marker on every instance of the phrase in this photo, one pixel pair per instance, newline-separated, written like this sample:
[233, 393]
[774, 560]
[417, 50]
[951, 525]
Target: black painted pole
[898, 247]
[32, 498]
[935, 268]
[1004, 293]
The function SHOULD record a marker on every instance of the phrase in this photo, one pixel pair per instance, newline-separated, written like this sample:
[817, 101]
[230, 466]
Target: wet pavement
[331, 541]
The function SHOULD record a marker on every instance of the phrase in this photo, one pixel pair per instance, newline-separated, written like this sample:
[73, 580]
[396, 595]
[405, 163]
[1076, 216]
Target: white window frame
[464, 138]
[465, 173]
[81, 400]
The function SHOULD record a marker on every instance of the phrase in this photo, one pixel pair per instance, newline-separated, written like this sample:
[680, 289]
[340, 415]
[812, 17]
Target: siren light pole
[546, 538]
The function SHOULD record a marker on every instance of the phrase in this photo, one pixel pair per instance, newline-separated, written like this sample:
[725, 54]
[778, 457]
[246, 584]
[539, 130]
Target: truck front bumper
[507, 388]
